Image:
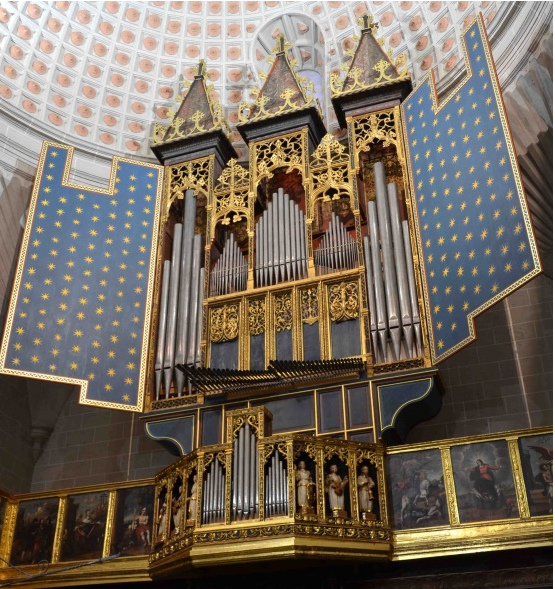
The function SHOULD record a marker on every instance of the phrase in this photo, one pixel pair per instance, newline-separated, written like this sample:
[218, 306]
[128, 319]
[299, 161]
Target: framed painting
[536, 455]
[34, 531]
[416, 489]
[133, 521]
[85, 526]
[484, 481]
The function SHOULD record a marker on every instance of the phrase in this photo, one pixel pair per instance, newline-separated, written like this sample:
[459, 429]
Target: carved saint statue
[335, 487]
[305, 488]
[193, 502]
[365, 486]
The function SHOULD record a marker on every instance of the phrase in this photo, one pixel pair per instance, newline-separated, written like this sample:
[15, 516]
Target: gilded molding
[521, 498]
[450, 491]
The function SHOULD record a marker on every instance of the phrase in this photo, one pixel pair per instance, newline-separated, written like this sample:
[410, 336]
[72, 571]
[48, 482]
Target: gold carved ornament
[283, 312]
[231, 195]
[224, 323]
[378, 127]
[286, 152]
[194, 175]
[329, 172]
[257, 316]
[343, 301]
[309, 305]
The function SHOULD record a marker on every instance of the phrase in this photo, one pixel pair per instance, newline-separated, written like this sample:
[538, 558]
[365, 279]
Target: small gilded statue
[335, 487]
[366, 487]
[192, 500]
[306, 494]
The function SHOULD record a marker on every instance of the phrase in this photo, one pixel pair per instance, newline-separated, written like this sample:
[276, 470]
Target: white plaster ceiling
[97, 75]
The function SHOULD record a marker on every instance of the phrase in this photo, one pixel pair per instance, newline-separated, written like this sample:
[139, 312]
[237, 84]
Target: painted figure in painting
[335, 487]
[423, 488]
[483, 479]
[142, 531]
[545, 476]
[366, 487]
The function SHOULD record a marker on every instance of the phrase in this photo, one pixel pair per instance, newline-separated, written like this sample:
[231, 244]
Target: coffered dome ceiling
[99, 74]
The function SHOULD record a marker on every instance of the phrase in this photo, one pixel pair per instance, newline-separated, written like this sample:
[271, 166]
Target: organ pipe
[280, 242]
[162, 328]
[336, 250]
[230, 271]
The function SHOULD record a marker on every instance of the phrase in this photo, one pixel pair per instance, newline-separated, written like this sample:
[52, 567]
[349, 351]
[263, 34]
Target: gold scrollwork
[193, 175]
[257, 315]
[521, 498]
[343, 301]
[309, 305]
[341, 453]
[283, 312]
[374, 128]
[224, 323]
[285, 151]
[231, 195]
[363, 454]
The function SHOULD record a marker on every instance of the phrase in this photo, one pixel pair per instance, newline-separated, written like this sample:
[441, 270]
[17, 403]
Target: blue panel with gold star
[474, 234]
[80, 309]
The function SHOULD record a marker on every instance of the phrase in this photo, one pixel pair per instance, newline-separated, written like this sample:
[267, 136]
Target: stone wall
[504, 379]
[93, 446]
[16, 456]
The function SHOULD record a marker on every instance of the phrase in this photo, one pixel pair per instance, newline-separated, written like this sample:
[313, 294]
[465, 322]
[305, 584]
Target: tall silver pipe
[287, 236]
[234, 478]
[371, 300]
[270, 250]
[274, 484]
[266, 500]
[293, 233]
[274, 260]
[189, 220]
[206, 498]
[378, 278]
[198, 335]
[253, 486]
[304, 252]
[392, 298]
[217, 490]
[222, 494]
[285, 489]
[241, 472]
[412, 290]
[193, 302]
[281, 233]
[247, 472]
[298, 241]
[400, 266]
[270, 511]
[171, 322]
[280, 484]
[162, 327]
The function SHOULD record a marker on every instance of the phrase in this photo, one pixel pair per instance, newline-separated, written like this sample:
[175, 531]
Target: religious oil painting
[34, 531]
[536, 455]
[85, 526]
[133, 523]
[417, 489]
[484, 481]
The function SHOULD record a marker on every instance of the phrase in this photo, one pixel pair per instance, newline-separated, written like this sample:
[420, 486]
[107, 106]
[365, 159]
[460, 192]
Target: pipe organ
[336, 250]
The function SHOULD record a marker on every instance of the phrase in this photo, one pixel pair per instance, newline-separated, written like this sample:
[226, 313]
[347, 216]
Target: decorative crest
[198, 113]
[370, 66]
[283, 90]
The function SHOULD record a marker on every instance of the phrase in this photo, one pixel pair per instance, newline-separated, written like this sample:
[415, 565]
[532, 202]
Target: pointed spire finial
[201, 68]
[367, 23]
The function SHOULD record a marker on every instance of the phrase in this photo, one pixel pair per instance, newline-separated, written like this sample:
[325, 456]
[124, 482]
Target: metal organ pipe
[400, 265]
[281, 239]
[194, 299]
[171, 322]
[189, 220]
[392, 295]
[162, 328]
[371, 300]
[337, 249]
[378, 277]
